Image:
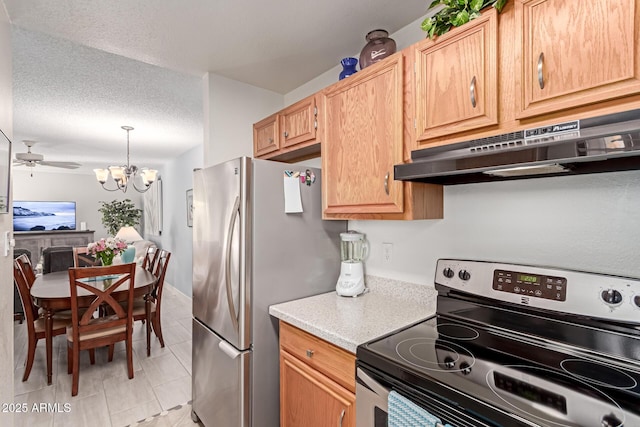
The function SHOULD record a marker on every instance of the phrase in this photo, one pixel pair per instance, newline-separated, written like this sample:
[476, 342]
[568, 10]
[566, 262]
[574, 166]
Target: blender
[353, 250]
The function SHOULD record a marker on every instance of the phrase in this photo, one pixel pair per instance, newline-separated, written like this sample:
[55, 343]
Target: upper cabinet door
[363, 140]
[576, 52]
[298, 122]
[456, 79]
[265, 136]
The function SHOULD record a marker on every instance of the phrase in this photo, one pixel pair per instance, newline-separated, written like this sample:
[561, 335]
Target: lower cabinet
[317, 381]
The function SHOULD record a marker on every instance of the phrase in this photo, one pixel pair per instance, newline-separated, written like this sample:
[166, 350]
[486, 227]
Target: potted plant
[118, 214]
[456, 13]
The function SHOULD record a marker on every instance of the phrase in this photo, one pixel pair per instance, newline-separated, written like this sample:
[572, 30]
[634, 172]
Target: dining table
[52, 293]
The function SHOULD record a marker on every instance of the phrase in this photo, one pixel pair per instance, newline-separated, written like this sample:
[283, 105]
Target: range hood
[599, 144]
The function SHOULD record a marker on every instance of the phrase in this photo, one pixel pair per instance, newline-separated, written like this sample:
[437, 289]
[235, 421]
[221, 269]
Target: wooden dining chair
[82, 258]
[139, 312]
[27, 269]
[35, 322]
[150, 258]
[91, 288]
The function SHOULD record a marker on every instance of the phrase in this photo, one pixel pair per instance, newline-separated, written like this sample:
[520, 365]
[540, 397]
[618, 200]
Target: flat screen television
[43, 216]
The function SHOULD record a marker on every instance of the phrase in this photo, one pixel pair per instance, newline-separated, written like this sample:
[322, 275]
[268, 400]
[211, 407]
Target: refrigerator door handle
[232, 222]
[228, 349]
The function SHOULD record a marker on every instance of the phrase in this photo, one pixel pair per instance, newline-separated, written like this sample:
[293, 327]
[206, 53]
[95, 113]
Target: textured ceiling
[83, 68]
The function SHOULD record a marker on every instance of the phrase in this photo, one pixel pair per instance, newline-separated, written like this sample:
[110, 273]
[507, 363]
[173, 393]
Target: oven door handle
[372, 384]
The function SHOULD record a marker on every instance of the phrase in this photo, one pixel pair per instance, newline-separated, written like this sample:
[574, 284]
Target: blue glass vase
[348, 67]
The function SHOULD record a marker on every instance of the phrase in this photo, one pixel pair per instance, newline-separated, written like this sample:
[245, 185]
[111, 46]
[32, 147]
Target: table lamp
[129, 235]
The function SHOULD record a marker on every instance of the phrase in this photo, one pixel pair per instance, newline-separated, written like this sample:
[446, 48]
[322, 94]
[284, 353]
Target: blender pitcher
[353, 250]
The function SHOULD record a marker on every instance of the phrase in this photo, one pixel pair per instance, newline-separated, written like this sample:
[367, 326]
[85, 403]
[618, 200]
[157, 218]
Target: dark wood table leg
[48, 328]
[147, 313]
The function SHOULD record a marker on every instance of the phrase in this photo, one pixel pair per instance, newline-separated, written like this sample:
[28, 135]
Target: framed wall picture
[190, 208]
[152, 202]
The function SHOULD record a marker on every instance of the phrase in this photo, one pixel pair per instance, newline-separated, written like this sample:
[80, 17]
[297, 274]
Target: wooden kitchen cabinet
[317, 381]
[298, 122]
[575, 53]
[457, 79]
[265, 136]
[290, 134]
[363, 138]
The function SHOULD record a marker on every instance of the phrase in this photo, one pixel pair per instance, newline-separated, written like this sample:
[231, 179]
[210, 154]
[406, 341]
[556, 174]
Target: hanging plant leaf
[456, 13]
[461, 18]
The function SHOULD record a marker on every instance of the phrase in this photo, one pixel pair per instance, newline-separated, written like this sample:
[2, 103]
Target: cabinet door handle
[270, 140]
[341, 418]
[472, 92]
[540, 66]
[286, 134]
[309, 353]
[386, 183]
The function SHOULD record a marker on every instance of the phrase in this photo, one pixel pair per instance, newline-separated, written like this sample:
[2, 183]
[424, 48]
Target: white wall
[582, 222]
[230, 110]
[6, 263]
[67, 186]
[176, 235]
[587, 222]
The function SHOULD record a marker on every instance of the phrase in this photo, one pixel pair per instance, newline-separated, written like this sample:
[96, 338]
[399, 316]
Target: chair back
[27, 269]
[57, 258]
[82, 258]
[95, 286]
[150, 258]
[161, 269]
[21, 283]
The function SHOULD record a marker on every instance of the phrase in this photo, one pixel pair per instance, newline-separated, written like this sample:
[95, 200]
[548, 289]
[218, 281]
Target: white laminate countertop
[348, 322]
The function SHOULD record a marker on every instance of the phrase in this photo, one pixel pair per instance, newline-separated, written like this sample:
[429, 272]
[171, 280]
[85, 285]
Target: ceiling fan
[30, 159]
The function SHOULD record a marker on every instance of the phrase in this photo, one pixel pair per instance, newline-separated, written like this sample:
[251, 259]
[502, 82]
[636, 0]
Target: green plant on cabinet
[119, 213]
[456, 13]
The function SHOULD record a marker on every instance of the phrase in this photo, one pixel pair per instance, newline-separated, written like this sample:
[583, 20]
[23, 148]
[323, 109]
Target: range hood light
[527, 170]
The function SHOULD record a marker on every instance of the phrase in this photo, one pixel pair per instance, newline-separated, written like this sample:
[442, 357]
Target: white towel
[405, 413]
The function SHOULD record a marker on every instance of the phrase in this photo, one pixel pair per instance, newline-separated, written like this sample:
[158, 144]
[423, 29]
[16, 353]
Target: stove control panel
[530, 284]
[566, 291]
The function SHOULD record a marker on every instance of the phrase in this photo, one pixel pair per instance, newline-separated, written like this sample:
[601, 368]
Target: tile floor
[106, 397]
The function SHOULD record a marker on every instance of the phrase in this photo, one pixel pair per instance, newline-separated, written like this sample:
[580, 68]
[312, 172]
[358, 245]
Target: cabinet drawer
[334, 362]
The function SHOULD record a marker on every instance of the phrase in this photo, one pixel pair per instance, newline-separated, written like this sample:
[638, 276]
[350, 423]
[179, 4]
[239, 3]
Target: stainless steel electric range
[510, 345]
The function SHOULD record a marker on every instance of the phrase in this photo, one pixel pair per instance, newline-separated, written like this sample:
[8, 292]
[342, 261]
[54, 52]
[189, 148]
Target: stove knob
[464, 275]
[448, 272]
[449, 363]
[610, 421]
[636, 300]
[611, 296]
[465, 368]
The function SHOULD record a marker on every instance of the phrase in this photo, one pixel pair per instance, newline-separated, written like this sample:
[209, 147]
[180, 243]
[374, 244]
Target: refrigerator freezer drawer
[220, 380]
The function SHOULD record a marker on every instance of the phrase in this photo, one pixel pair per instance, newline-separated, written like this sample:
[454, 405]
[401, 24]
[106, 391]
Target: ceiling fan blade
[66, 165]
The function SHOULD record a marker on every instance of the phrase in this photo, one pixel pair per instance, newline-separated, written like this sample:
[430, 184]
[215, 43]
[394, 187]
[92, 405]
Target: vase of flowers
[106, 249]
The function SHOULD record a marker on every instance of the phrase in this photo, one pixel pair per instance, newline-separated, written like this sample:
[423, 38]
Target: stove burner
[599, 374]
[459, 332]
[435, 355]
[528, 379]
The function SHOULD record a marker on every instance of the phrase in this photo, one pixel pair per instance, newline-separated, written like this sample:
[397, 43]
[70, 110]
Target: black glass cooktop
[547, 382]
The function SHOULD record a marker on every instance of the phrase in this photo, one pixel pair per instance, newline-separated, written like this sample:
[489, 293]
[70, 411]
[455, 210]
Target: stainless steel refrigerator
[247, 255]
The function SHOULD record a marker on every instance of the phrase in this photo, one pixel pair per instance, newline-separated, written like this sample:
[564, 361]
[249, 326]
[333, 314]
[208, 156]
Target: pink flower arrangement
[107, 249]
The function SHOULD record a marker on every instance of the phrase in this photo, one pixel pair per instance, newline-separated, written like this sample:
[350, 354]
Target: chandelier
[123, 175]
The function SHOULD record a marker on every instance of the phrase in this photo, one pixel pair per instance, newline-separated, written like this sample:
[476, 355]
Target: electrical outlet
[387, 253]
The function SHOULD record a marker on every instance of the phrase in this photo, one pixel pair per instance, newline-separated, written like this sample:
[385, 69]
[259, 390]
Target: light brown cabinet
[363, 139]
[265, 136]
[298, 122]
[457, 79]
[575, 53]
[290, 134]
[317, 381]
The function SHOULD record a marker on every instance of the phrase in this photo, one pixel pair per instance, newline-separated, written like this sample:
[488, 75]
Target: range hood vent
[599, 144]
